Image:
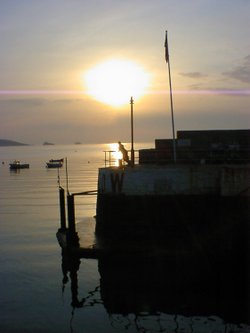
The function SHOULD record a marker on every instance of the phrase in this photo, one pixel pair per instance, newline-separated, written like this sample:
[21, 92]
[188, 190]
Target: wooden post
[62, 208]
[71, 213]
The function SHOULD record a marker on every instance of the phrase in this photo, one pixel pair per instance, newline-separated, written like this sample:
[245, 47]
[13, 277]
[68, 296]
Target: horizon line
[236, 92]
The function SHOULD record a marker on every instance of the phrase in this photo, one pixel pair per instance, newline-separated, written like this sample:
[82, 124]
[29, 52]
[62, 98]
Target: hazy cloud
[194, 75]
[35, 102]
[242, 72]
[23, 102]
[196, 89]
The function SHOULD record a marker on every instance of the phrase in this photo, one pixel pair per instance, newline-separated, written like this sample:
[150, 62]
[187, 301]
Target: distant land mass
[7, 143]
[48, 143]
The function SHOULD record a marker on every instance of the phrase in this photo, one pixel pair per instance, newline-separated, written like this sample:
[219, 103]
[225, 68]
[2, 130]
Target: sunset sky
[49, 46]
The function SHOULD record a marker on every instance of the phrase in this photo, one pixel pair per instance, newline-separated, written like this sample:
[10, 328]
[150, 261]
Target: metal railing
[111, 160]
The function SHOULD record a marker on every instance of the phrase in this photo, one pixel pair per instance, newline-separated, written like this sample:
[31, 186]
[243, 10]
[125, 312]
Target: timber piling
[67, 233]
[62, 208]
[71, 213]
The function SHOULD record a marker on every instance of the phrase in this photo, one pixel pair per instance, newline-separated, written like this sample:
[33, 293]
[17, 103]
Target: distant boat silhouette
[18, 165]
[55, 163]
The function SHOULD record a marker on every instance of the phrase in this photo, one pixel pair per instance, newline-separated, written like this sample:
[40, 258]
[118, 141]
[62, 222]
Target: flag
[166, 48]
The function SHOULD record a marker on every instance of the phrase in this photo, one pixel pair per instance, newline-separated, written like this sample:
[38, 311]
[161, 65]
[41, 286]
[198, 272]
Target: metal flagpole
[171, 97]
[132, 132]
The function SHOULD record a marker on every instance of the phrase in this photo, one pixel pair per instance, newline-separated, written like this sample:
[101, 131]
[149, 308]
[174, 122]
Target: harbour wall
[175, 180]
[189, 208]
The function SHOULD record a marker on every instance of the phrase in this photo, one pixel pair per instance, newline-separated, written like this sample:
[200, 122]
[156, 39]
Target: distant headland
[8, 143]
[48, 143]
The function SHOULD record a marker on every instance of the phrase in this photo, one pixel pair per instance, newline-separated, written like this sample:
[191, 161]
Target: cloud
[31, 102]
[22, 103]
[242, 72]
[198, 90]
[194, 75]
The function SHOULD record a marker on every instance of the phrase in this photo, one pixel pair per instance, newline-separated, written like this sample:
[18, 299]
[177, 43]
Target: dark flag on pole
[166, 48]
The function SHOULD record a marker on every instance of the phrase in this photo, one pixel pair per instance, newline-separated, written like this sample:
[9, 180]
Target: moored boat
[58, 160]
[18, 165]
[58, 163]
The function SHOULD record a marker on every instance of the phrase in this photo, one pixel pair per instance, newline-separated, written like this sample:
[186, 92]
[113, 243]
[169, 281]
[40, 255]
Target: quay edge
[187, 207]
[187, 182]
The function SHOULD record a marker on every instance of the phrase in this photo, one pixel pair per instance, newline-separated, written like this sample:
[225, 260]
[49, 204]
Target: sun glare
[115, 81]
[116, 155]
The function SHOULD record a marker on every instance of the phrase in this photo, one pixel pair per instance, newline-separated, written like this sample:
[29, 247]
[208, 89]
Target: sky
[48, 47]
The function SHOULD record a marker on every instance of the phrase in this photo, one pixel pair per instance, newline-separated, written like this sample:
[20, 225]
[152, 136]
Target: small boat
[18, 165]
[55, 163]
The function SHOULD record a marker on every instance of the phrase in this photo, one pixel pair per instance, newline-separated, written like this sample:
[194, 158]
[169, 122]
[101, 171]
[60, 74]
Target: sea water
[44, 291]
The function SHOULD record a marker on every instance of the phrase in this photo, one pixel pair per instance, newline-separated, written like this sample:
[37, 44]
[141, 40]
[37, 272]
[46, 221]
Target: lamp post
[132, 132]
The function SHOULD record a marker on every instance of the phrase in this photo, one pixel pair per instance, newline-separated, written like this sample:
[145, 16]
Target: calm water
[41, 291]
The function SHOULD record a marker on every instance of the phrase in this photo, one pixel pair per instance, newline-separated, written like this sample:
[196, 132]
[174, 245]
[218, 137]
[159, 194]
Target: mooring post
[62, 208]
[71, 213]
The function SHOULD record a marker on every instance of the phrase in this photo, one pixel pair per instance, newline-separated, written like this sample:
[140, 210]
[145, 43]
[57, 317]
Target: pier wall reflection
[163, 291]
[175, 285]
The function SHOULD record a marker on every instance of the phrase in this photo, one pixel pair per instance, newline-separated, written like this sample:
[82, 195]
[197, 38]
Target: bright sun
[115, 81]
